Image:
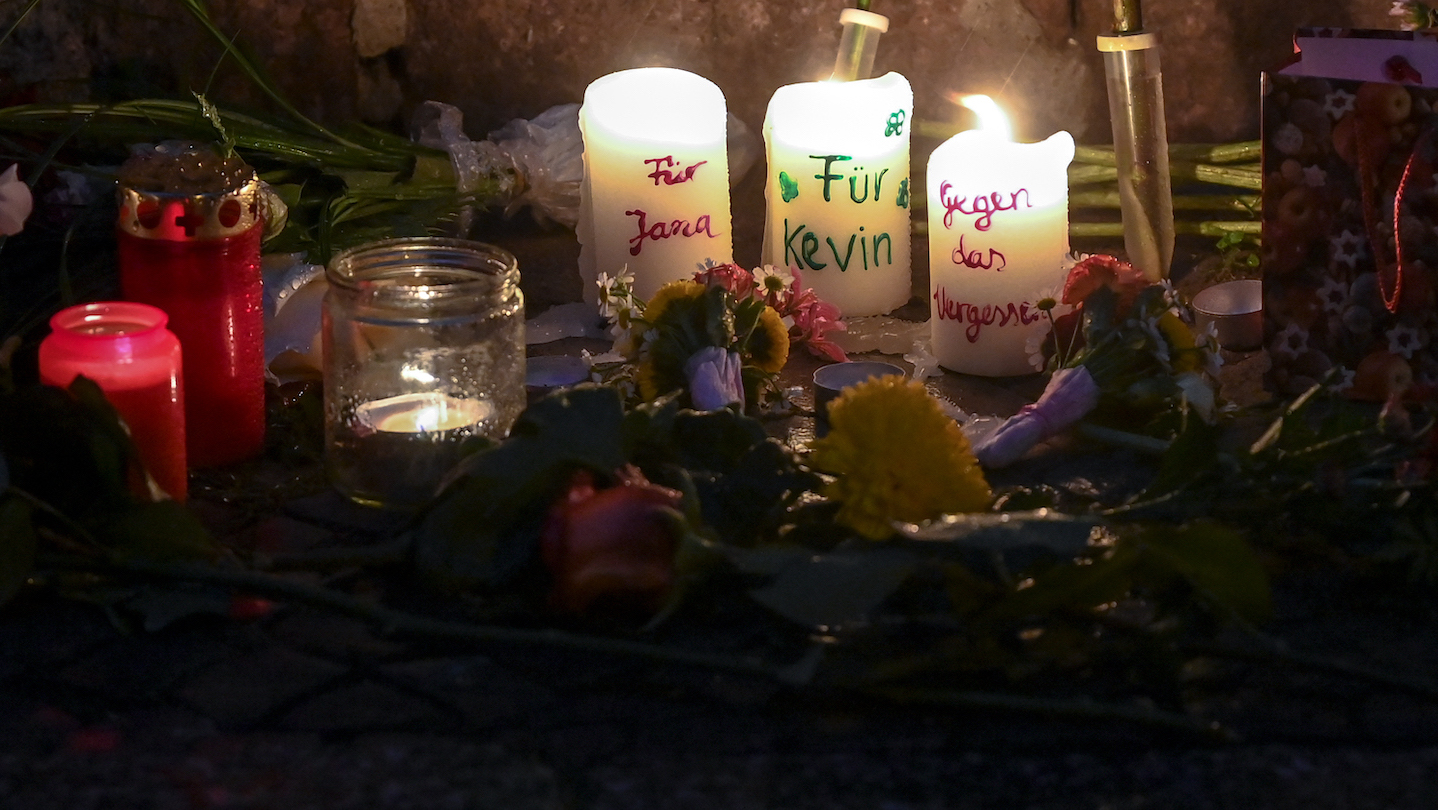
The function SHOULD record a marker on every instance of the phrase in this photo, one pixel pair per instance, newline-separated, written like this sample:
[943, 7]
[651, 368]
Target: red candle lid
[183, 192]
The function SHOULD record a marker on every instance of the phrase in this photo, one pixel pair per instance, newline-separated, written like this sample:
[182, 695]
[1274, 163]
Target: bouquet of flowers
[1126, 348]
[720, 337]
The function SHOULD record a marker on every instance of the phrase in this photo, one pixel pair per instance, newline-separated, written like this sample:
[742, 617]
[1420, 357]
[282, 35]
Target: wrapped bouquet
[1126, 348]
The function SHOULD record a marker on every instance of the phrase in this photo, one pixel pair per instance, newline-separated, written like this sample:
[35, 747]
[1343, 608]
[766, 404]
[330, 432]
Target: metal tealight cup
[831, 380]
[1235, 308]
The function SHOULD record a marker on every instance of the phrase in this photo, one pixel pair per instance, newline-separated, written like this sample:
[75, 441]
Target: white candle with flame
[998, 235]
[838, 190]
[655, 195]
[430, 412]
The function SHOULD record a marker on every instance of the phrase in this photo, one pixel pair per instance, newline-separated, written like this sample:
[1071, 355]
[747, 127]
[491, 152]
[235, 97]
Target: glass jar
[125, 349]
[423, 349]
[189, 234]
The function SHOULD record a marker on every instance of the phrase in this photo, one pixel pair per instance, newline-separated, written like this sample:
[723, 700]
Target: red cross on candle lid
[181, 191]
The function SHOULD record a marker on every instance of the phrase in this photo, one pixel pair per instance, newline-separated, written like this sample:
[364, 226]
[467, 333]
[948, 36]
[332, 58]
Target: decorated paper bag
[1350, 214]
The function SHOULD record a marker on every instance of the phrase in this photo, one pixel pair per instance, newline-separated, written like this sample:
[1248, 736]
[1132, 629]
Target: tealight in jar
[423, 349]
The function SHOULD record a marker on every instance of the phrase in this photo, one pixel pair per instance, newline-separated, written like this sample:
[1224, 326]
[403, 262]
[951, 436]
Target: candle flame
[991, 116]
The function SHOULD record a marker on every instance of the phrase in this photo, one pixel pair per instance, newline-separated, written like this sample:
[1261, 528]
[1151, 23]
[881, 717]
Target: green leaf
[163, 531]
[1192, 454]
[1222, 568]
[1291, 415]
[356, 180]
[1063, 534]
[17, 547]
[835, 590]
[112, 451]
[1068, 586]
[484, 527]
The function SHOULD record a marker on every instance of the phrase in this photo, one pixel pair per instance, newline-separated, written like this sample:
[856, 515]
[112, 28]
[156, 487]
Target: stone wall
[341, 60]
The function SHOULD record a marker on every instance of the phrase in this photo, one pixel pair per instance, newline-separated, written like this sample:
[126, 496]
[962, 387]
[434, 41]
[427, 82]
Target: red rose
[611, 550]
[1104, 271]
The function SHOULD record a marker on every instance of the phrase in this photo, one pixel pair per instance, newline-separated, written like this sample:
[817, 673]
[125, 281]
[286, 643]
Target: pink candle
[125, 349]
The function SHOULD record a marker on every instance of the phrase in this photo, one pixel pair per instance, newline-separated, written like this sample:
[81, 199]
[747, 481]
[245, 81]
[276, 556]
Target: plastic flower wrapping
[721, 338]
[1126, 353]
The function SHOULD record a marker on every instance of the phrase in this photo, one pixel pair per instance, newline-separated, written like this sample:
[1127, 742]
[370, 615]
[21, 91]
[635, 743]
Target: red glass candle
[189, 243]
[126, 349]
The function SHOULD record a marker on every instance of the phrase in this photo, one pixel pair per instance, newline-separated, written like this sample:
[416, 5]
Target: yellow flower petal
[1185, 354]
[897, 457]
[669, 293]
[769, 345]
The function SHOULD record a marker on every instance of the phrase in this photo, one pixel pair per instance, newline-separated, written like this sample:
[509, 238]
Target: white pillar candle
[837, 196]
[998, 236]
[655, 195]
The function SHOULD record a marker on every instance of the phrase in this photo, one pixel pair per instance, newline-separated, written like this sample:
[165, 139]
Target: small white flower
[1158, 345]
[1055, 294]
[1334, 295]
[16, 202]
[772, 279]
[1314, 177]
[1170, 295]
[1034, 348]
[1208, 341]
[1291, 342]
[1073, 258]
[1404, 340]
[1338, 103]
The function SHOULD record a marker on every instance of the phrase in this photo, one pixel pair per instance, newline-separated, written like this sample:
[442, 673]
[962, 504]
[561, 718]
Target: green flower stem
[1150, 445]
[396, 622]
[1242, 152]
[1081, 174]
[78, 533]
[1214, 229]
[141, 120]
[1183, 171]
[1236, 176]
[1068, 709]
[1275, 651]
[25, 12]
[1109, 198]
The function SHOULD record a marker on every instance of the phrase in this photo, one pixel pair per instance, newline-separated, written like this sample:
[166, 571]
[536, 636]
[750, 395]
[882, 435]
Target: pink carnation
[811, 318]
[732, 277]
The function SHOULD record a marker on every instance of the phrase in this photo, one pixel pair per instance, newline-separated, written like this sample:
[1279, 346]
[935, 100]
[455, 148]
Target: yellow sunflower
[668, 294]
[897, 457]
[769, 345]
